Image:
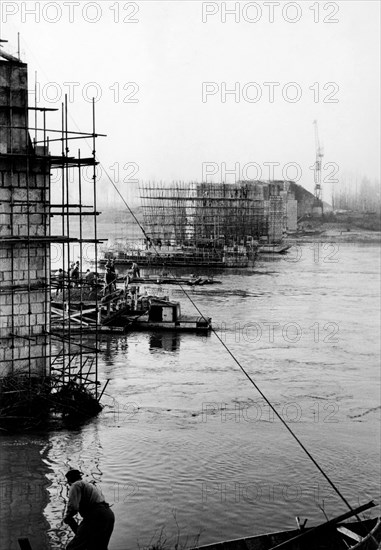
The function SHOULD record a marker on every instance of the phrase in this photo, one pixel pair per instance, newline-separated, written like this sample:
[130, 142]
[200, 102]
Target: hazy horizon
[193, 90]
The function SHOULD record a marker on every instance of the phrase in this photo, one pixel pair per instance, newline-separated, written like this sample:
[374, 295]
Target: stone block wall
[24, 233]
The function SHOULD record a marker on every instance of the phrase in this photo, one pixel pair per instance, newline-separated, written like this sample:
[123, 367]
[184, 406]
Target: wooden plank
[354, 536]
[80, 321]
[59, 312]
[83, 312]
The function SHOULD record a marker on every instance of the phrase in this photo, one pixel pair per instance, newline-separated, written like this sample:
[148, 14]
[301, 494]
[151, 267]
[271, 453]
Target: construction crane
[317, 167]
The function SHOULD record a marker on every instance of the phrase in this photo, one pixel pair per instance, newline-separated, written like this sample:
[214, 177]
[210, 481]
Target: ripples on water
[185, 439]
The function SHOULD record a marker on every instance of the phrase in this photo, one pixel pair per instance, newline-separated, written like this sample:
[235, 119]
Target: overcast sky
[161, 70]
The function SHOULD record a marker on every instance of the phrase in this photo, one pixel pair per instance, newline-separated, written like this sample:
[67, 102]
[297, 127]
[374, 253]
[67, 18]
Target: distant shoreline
[128, 230]
[356, 236]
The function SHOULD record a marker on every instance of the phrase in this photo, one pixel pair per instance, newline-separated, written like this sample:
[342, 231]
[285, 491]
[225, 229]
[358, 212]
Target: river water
[185, 444]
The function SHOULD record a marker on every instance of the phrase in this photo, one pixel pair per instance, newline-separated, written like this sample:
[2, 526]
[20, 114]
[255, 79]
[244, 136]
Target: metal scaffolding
[210, 214]
[38, 343]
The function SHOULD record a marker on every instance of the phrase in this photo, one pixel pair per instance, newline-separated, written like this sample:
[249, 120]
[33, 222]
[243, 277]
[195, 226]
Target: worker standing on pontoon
[114, 275]
[109, 281]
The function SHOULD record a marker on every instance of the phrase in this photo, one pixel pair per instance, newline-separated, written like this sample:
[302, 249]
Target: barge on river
[122, 312]
[224, 257]
[157, 313]
[274, 248]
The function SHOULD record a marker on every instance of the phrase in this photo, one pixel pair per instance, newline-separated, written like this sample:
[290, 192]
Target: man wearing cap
[94, 531]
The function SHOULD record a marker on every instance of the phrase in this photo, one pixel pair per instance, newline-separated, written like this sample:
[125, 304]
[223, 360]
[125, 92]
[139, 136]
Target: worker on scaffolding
[90, 278]
[60, 280]
[95, 530]
[74, 274]
[135, 271]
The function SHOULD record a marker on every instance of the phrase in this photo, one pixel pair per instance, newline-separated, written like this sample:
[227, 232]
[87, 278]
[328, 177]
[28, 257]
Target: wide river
[185, 444]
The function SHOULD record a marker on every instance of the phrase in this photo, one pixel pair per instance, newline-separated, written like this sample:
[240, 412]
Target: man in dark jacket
[94, 531]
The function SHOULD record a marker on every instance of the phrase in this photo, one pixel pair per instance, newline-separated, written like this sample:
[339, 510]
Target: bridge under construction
[211, 214]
